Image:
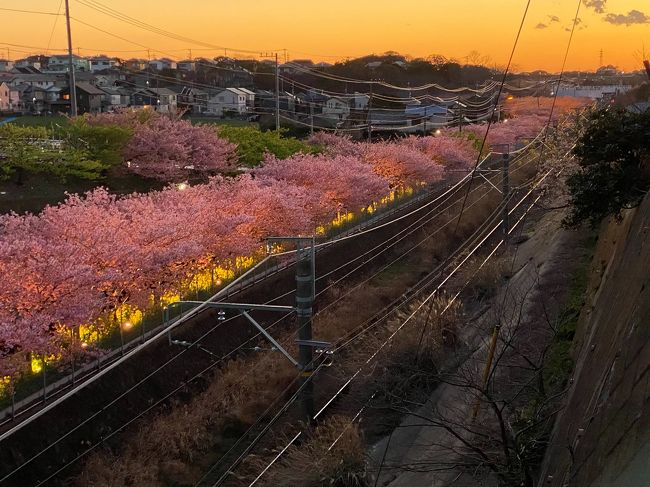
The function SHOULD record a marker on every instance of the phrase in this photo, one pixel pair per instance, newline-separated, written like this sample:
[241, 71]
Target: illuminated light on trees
[339, 183]
[96, 261]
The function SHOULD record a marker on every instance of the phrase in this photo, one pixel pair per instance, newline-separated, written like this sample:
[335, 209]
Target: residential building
[167, 99]
[89, 97]
[38, 62]
[109, 77]
[42, 80]
[250, 97]
[265, 102]
[61, 63]
[230, 101]
[594, 92]
[435, 115]
[9, 98]
[115, 98]
[103, 63]
[34, 98]
[6, 64]
[336, 108]
[162, 99]
[312, 101]
[162, 63]
[359, 101]
[186, 65]
[190, 99]
[136, 64]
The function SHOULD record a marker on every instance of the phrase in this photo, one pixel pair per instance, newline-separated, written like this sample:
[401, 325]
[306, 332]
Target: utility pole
[73, 84]
[304, 302]
[370, 113]
[277, 94]
[460, 120]
[311, 118]
[506, 194]
[602, 57]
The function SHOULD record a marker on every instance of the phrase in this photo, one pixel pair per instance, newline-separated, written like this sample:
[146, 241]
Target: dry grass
[314, 464]
[484, 280]
[164, 448]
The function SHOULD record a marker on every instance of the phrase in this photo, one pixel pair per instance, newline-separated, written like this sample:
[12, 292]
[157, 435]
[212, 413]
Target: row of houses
[61, 63]
[29, 91]
[50, 93]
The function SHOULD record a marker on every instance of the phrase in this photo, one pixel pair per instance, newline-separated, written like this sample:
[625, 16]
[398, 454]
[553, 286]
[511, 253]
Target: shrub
[614, 165]
[343, 465]
[103, 143]
[33, 149]
[253, 144]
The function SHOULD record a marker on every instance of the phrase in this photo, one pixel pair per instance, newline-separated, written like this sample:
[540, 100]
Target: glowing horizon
[343, 30]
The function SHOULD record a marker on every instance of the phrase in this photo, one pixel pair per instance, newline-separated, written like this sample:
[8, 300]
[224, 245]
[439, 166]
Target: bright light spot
[219, 282]
[510, 97]
[127, 325]
[505, 120]
[37, 365]
[182, 186]
[438, 132]
[84, 344]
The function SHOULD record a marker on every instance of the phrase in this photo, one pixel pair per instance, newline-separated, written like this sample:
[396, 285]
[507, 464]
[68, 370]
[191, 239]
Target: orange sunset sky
[335, 29]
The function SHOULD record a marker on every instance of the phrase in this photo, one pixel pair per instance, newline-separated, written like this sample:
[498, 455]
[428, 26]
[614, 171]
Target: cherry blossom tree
[447, 149]
[335, 145]
[340, 183]
[401, 164]
[172, 150]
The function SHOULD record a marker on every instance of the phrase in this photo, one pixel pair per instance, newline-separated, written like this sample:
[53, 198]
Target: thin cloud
[541, 26]
[597, 5]
[632, 17]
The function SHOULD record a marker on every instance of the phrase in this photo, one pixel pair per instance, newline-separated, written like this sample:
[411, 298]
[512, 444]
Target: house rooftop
[162, 91]
[88, 88]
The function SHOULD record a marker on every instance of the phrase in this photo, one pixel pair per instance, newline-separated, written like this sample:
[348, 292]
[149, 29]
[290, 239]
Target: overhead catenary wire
[474, 236]
[381, 346]
[411, 315]
[503, 80]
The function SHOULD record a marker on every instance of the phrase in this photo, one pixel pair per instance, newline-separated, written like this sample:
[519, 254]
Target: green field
[48, 121]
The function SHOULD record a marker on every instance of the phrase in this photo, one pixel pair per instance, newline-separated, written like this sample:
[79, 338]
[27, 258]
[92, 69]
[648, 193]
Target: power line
[37, 12]
[399, 300]
[503, 80]
[111, 12]
[346, 384]
[58, 10]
